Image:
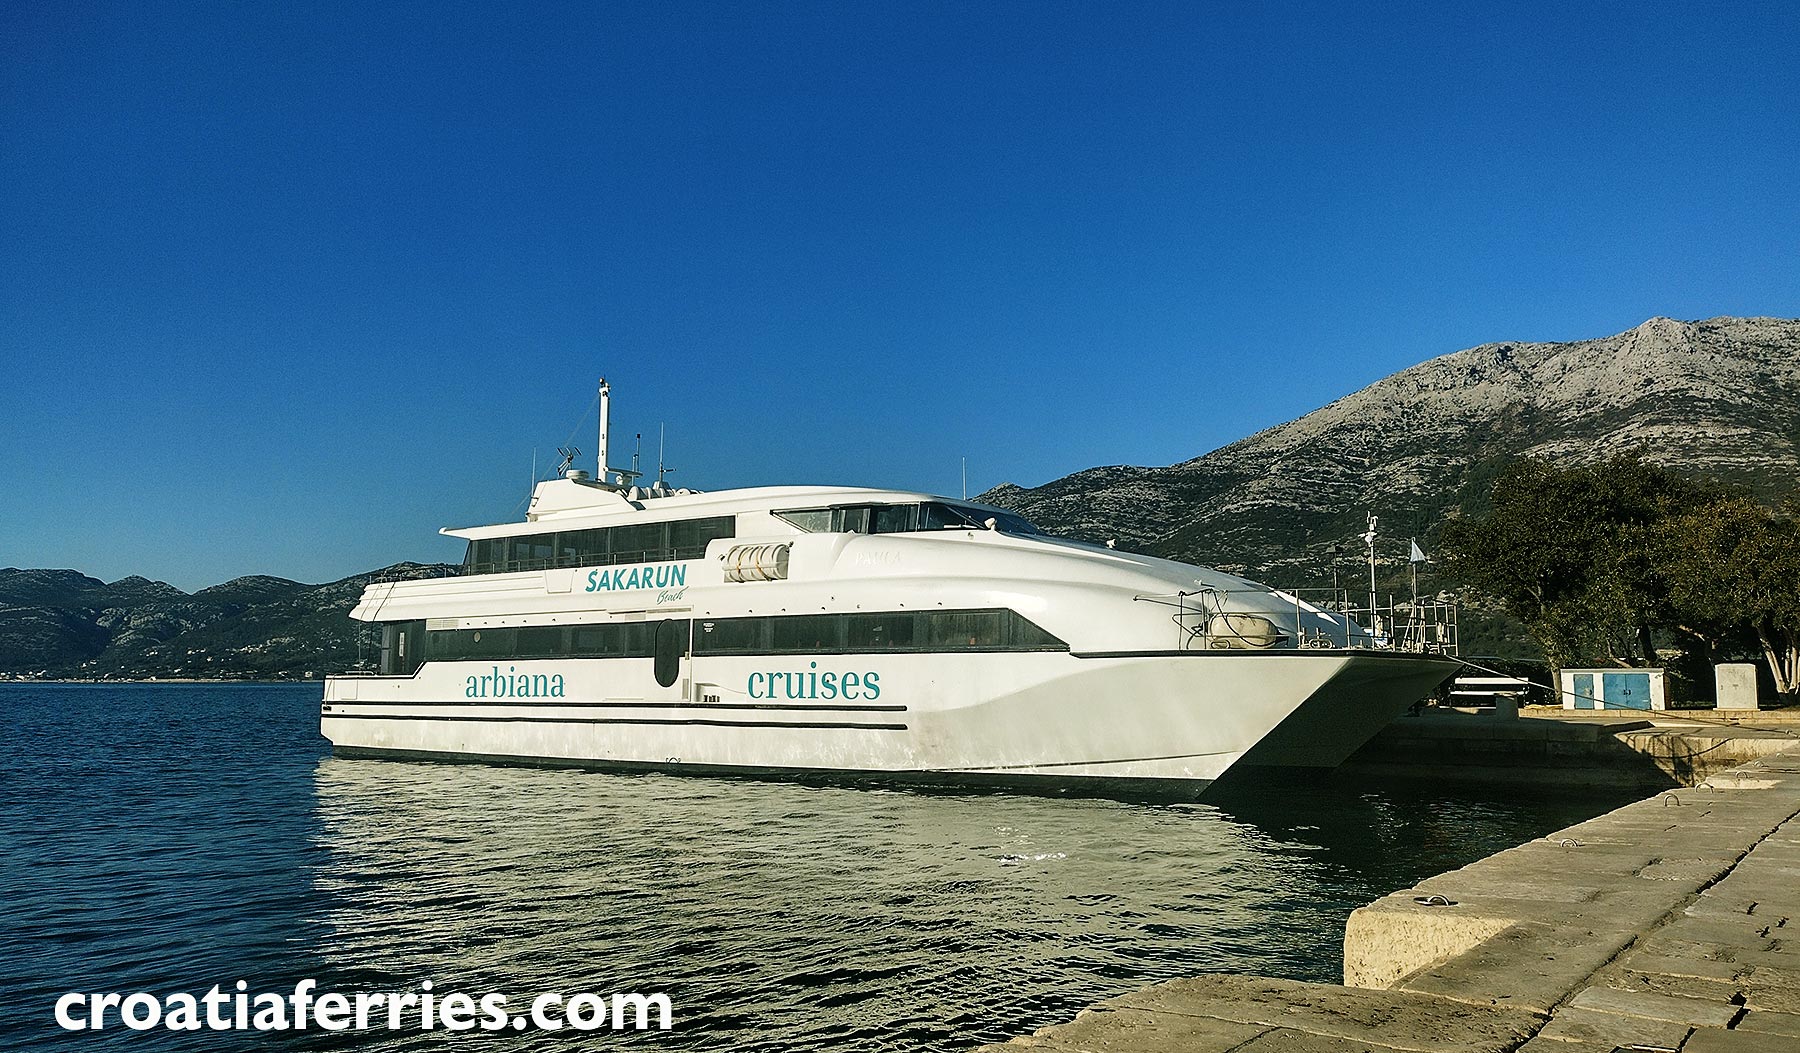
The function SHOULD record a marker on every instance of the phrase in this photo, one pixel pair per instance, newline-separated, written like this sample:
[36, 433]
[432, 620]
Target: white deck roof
[562, 504]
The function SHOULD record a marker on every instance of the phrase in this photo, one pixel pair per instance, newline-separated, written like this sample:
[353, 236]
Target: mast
[1369, 539]
[604, 475]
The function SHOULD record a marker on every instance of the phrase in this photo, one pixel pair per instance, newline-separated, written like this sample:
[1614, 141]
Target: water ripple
[167, 838]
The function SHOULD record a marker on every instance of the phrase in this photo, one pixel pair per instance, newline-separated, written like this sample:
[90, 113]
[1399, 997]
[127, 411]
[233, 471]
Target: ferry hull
[1159, 723]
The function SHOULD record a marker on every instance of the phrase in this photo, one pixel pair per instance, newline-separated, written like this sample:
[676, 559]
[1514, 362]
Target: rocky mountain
[60, 623]
[1719, 397]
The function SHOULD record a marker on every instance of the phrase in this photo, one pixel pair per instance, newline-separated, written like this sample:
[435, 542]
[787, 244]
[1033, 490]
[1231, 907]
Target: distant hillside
[1719, 397]
[60, 623]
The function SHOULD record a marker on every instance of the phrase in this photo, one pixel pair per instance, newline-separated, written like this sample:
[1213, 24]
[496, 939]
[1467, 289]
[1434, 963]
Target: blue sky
[284, 288]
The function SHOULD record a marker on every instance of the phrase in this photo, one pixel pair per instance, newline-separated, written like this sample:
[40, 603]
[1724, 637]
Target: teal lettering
[592, 574]
[678, 574]
[850, 684]
[540, 685]
[469, 692]
[754, 685]
[872, 681]
[556, 686]
[828, 685]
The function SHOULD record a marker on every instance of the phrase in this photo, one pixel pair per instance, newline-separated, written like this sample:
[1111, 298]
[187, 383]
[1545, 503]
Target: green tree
[1731, 572]
[1553, 550]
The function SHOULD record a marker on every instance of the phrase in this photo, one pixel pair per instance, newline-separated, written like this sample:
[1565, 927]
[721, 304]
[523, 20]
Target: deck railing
[1208, 619]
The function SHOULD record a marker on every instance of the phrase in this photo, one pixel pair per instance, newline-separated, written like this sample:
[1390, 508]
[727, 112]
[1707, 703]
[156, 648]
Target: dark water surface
[169, 837]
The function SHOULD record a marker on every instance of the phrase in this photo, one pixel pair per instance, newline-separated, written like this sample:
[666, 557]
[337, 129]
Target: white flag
[1418, 554]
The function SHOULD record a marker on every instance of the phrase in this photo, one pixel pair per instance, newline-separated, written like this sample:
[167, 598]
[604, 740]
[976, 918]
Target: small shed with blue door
[1613, 689]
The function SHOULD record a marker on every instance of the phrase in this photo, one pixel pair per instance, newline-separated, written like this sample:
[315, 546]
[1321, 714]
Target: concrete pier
[1668, 924]
[1549, 746]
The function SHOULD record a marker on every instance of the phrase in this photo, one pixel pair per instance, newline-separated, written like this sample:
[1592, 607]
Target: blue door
[1625, 690]
[1584, 691]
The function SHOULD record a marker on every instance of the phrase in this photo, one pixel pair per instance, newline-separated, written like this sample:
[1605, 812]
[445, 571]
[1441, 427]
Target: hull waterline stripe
[536, 704]
[1089, 763]
[674, 721]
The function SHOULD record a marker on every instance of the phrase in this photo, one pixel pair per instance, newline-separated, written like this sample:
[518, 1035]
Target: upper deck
[560, 504]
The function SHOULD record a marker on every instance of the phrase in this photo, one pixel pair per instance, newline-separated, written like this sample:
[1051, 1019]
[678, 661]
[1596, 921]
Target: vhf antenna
[569, 453]
[662, 442]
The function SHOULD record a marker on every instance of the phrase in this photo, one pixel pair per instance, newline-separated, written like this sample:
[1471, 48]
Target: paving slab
[1713, 1040]
[1773, 1023]
[1720, 992]
[1717, 901]
[1557, 1045]
[1396, 1019]
[1285, 1040]
[1111, 1030]
[1615, 1029]
[1532, 967]
[1698, 871]
[1656, 1006]
[1649, 963]
[1750, 931]
[1772, 987]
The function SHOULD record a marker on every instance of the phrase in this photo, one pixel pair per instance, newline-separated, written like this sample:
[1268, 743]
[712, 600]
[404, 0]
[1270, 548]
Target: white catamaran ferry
[836, 630]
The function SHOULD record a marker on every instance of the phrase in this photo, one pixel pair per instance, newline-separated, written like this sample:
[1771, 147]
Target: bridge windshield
[905, 519]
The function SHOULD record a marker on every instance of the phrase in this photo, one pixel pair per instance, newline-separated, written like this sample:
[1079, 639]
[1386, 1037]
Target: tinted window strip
[674, 539]
[407, 645]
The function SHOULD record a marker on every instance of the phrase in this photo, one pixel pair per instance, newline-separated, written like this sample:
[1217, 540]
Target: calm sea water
[169, 837]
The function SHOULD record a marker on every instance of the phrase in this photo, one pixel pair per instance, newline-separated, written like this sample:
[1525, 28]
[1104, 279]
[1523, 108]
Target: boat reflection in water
[787, 916]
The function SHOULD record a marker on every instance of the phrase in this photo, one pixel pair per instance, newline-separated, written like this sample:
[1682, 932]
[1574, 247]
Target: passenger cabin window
[407, 645]
[905, 519]
[600, 546]
[402, 648]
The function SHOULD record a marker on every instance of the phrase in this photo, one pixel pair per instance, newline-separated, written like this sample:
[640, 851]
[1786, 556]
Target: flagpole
[1416, 556]
[1370, 538]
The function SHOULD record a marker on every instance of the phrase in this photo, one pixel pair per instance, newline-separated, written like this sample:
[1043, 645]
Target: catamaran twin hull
[1158, 722]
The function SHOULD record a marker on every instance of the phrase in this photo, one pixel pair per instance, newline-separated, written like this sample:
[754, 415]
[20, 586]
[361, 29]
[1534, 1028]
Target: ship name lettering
[814, 685]
[513, 684]
[650, 576]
